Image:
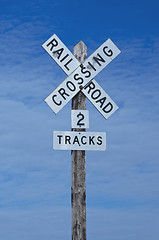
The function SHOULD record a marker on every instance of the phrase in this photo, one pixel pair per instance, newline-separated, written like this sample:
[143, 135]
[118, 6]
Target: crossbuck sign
[81, 76]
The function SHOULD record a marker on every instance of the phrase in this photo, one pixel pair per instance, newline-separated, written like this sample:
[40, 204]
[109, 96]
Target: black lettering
[76, 140]
[98, 59]
[71, 86]
[64, 58]
[101, 101]
[62, 93]
[85, 72]
[91, 86]
[59, 136]
[90, 64]
[91, 140]
[67, 64]
[109, 110]
[81, 117]
[84, 143]
[109, 53]
[99, 140]
[53, 43]
[94, 93]
[58, 52]
[53, 99]
[78, 78]
[67, 139]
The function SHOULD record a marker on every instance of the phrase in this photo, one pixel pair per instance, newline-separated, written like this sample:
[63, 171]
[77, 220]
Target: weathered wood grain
[78, 189]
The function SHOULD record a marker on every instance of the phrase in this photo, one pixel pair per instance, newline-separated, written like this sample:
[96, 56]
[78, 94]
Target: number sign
[80, 119]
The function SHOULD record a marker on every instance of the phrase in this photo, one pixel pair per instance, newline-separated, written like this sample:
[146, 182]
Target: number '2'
[81, 117]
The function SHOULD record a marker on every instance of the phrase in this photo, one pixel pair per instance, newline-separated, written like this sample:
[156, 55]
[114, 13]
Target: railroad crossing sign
[80, 76]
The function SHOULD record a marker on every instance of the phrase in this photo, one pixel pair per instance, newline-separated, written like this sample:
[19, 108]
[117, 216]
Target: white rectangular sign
[62, 95]
[100, 99]
[60, 53]
[101, 58]
[80, 119]
[79, 140]
[82, 76]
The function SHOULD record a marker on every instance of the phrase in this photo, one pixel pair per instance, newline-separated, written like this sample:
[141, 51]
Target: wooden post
[78, 189]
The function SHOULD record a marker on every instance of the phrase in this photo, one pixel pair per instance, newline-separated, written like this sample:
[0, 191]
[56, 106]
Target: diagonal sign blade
[100, 59]
[62, 94]
[82, 76]
[61, 55]
[100, 99]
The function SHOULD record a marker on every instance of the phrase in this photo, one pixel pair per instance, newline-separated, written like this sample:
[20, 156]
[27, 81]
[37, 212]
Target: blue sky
[35, 181]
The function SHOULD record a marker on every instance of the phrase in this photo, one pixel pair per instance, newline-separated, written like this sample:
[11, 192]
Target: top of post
[80, 51]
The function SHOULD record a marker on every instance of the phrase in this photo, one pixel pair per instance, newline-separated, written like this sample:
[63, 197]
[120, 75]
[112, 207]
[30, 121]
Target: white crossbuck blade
[81, 76]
